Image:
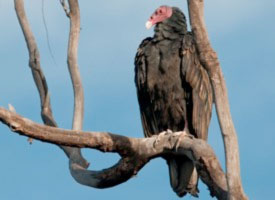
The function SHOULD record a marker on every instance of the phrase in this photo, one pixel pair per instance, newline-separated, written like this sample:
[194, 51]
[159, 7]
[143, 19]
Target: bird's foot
[159, 136]
[181, 135]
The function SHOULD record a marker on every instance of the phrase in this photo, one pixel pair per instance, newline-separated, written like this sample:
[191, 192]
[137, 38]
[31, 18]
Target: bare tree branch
[209, 57]
[73, 65]
[74, 17]
[40, 81]
[135, 152]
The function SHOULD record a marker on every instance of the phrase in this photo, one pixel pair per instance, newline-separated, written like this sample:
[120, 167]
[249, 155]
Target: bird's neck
[170, 29]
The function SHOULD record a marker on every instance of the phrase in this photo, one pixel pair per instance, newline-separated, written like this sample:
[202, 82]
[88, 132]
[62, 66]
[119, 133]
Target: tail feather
[173, 172]
[183, 176]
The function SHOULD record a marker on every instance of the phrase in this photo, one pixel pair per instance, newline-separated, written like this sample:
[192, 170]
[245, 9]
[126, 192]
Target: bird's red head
[162, 13]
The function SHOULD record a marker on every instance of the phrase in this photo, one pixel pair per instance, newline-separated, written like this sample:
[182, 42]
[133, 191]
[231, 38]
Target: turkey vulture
[174, 90]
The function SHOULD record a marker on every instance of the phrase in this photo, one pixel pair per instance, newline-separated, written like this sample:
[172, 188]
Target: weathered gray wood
[135, 152]
[209, 57]
[40, 80]
[74, 16]
[72, 60]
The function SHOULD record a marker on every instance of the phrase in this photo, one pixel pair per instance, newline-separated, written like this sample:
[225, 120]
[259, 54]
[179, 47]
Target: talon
[181, 135]
[159, 136]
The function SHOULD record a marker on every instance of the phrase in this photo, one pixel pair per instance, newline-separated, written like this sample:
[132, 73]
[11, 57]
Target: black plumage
[174, 92]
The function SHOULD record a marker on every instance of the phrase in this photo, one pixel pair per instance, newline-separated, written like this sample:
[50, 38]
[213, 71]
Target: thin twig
[47, 32]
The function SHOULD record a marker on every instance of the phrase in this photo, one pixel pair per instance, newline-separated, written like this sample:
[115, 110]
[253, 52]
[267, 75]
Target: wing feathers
[148, 119]
[196, 76]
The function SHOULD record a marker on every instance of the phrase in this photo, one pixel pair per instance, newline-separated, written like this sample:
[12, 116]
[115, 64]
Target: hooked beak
[148, 24]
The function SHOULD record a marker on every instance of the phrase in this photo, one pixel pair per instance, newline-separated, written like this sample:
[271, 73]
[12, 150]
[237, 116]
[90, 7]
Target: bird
[173, 89]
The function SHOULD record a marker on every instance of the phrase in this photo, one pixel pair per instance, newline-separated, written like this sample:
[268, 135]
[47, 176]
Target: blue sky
[241, 32]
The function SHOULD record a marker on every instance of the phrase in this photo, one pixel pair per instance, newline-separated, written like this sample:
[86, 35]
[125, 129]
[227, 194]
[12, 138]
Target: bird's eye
[160, 11]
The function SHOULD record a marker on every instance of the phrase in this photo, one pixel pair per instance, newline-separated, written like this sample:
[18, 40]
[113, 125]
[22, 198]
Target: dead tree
[134, 152]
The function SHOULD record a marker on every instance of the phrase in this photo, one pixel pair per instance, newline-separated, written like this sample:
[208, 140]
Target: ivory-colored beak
[148, 24]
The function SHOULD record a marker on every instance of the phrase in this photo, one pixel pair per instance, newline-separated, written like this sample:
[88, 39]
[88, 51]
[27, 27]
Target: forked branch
[41, 83]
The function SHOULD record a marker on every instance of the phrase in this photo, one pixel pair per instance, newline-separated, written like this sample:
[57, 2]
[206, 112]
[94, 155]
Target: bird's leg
[161, 134]
[182, 134]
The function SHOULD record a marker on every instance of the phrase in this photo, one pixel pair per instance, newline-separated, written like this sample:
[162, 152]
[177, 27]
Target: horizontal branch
[135, 152]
